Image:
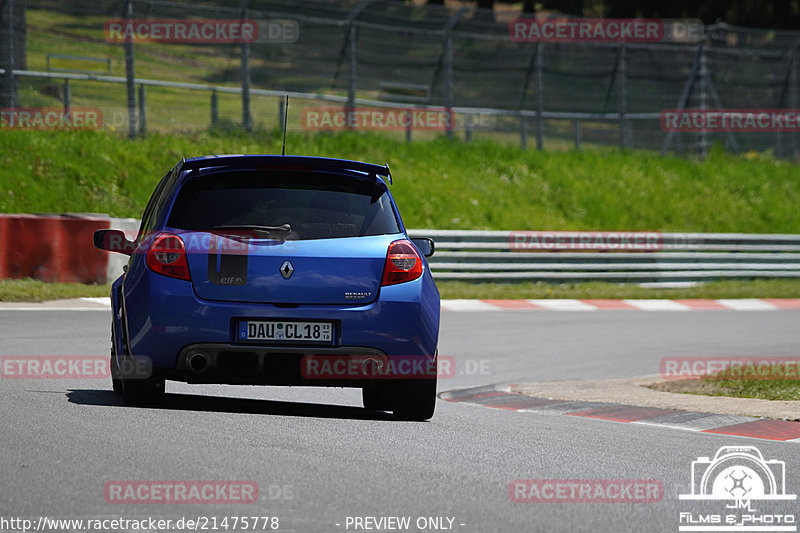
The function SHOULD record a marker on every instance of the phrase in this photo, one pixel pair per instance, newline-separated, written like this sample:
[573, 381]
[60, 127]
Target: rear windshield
[314, 205]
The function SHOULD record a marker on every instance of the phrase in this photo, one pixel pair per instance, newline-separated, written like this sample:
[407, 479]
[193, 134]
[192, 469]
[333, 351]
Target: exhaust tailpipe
[197, 362]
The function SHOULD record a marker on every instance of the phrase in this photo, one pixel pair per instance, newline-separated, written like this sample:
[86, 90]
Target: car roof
[293, 162]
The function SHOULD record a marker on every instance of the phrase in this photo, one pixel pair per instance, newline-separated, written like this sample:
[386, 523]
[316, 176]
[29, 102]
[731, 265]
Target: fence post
[409, 126]
[349, 35]
[539, 101]
[578, 132]
[523, 131]
[793, 101]
[142, 111]
[281, 113]
[622, 96]
[130, 74]
[448, 67]
[247, 122]
[9, 88]
[352, 80]
[703, 103]
[448, 101]
[684, 98]
[67, 97]
[214, 109]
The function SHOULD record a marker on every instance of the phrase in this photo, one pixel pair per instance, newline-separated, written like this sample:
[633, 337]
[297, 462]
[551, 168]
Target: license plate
[285, 331]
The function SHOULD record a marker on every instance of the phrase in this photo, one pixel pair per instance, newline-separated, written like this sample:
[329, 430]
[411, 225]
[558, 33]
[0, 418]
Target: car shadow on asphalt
[190, 402]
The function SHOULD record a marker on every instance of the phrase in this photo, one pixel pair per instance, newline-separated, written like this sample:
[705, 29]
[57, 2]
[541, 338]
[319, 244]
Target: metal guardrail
[572, 115]
[505, 256]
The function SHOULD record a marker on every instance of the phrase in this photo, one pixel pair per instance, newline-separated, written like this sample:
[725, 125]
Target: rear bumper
[167, 322]
[255, 365]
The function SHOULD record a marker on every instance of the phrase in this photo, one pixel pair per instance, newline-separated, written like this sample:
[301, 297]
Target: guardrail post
[468, 128]
[578, 132]
[142, 111]
[130, 74]
[214, 109]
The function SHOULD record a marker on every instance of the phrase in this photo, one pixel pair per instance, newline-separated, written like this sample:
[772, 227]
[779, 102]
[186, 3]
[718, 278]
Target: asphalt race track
[320, 461]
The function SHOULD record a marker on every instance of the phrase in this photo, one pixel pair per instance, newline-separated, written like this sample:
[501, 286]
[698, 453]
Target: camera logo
[738, 473]
[736, 477]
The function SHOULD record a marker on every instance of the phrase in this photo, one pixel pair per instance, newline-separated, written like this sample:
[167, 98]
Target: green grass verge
[734, 387]
[763, 389]
[438, 183]
[31, 290]
[443, 184]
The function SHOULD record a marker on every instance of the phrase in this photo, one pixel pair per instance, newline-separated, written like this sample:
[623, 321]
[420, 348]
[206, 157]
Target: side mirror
[113, 240]
[424, 245]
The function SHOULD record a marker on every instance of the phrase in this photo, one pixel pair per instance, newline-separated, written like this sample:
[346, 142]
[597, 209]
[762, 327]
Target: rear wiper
[267, 230]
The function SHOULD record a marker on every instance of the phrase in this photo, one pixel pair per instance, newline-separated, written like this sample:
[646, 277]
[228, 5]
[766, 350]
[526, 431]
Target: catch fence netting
[333, 55]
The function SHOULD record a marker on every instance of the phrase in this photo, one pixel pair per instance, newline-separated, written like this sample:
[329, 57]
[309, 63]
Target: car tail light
[167, 255]
[403, 263]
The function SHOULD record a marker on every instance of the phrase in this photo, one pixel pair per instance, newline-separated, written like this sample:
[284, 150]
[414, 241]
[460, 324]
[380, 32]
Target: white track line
[748, 304]
[563, 305]
[657, 305]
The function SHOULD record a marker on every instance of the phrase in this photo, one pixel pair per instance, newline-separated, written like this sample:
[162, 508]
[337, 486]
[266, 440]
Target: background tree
[781, 14]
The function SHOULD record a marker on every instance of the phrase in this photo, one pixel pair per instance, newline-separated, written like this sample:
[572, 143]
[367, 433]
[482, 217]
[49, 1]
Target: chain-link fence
[418, 70]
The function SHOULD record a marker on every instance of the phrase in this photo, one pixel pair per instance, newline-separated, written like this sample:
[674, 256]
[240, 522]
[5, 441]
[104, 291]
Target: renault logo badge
[287, 269]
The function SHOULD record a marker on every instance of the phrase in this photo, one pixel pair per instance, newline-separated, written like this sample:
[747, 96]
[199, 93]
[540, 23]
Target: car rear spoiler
[277, 161]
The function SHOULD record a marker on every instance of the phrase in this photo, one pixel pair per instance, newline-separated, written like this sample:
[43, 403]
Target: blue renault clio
[276, 270]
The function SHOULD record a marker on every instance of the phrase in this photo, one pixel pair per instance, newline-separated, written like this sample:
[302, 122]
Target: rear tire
[141, 391]
[415, 399]
[377, 396]
[116, 380]
[139, 384]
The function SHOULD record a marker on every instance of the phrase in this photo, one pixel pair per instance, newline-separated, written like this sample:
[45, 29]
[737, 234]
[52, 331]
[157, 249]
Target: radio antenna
[285, 116]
